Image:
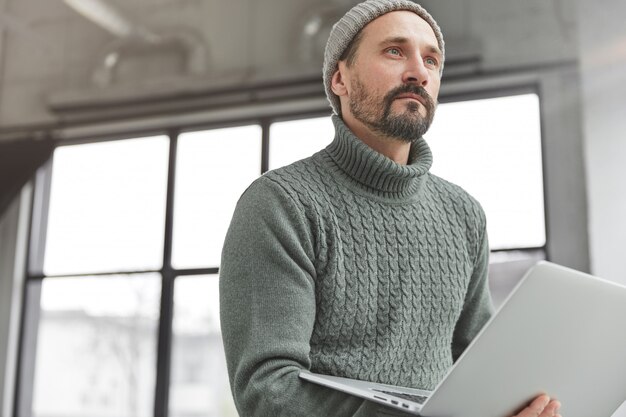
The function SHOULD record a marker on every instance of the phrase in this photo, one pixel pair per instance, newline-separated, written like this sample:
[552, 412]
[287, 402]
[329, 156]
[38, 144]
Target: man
[358, 262]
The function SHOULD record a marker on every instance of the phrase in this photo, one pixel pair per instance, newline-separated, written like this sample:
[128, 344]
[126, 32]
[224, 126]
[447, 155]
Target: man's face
[392, 87]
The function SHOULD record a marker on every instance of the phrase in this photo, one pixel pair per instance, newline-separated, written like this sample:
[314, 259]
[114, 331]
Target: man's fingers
[551, 409]
[537, 407]
[541, 407]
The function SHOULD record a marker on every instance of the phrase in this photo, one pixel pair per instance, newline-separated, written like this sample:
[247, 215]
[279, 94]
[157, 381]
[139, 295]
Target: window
[199, 384]
[107, 207]
[123, 306]
[296, 139]
[97, 346]
[492, 148]
[213, 168]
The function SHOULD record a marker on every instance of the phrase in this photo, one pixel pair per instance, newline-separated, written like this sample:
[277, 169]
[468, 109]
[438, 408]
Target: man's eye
[431, 61]
[394, 51]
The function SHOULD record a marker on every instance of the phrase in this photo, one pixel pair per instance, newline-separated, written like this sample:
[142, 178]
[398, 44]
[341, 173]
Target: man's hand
[541, 406]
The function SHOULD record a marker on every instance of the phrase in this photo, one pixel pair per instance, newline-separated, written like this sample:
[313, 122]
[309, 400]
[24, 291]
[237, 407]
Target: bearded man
[358, 262]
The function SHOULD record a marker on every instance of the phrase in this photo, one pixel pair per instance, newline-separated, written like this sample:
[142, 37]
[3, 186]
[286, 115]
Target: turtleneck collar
[368, 171]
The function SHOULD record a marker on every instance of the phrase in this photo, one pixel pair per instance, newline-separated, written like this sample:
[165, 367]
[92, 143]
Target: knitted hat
[352, 22]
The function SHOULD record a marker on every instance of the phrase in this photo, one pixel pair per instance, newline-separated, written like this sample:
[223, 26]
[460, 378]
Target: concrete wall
[511, 33]
[602, 52]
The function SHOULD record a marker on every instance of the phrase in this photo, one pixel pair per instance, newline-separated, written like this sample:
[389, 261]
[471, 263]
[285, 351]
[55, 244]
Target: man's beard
[407, 126]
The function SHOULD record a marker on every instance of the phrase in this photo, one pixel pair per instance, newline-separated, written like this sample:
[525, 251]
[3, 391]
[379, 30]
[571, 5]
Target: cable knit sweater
[349, 264]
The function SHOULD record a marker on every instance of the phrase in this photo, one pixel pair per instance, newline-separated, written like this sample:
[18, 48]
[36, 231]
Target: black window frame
[39, 217]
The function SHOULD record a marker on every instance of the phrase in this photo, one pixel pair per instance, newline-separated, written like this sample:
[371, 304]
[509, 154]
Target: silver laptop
[560, 332]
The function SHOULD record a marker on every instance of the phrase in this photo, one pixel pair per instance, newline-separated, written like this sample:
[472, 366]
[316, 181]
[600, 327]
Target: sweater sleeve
[477, 307]
[267, 310]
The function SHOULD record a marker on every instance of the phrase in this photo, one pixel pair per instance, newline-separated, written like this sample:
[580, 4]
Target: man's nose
[416, 72]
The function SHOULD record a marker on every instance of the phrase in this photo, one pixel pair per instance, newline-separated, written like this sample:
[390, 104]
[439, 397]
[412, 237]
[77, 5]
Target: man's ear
[338, 81]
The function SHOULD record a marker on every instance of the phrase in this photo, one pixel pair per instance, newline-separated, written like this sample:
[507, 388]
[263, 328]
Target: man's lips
[411, 96]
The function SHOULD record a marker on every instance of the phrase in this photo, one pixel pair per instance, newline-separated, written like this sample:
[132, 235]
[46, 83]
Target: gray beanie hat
[352, 22]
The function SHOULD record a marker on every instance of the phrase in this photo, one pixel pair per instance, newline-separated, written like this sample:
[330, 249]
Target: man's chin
[408, 117]
[405, 127]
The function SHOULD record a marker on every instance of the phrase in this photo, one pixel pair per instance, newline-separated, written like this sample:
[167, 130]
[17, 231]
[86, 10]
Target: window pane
[199, 385]
[214, 167]
[298, 139]
[107, 207]
[96, 349]
[492, 148]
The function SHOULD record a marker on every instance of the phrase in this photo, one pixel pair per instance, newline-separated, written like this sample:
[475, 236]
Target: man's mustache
[429, 103]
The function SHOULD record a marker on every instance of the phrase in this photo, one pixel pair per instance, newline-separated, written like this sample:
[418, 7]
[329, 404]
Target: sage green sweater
[349, 264]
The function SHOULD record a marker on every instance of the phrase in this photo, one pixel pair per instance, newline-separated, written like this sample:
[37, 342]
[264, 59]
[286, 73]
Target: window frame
[455, 91]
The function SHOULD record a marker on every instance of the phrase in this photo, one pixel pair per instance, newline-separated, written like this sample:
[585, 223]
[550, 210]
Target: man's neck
[394, 149]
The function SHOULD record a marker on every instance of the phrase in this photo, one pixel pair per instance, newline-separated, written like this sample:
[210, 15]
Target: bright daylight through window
[107, 207]
[96, 346]
[209, 182]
